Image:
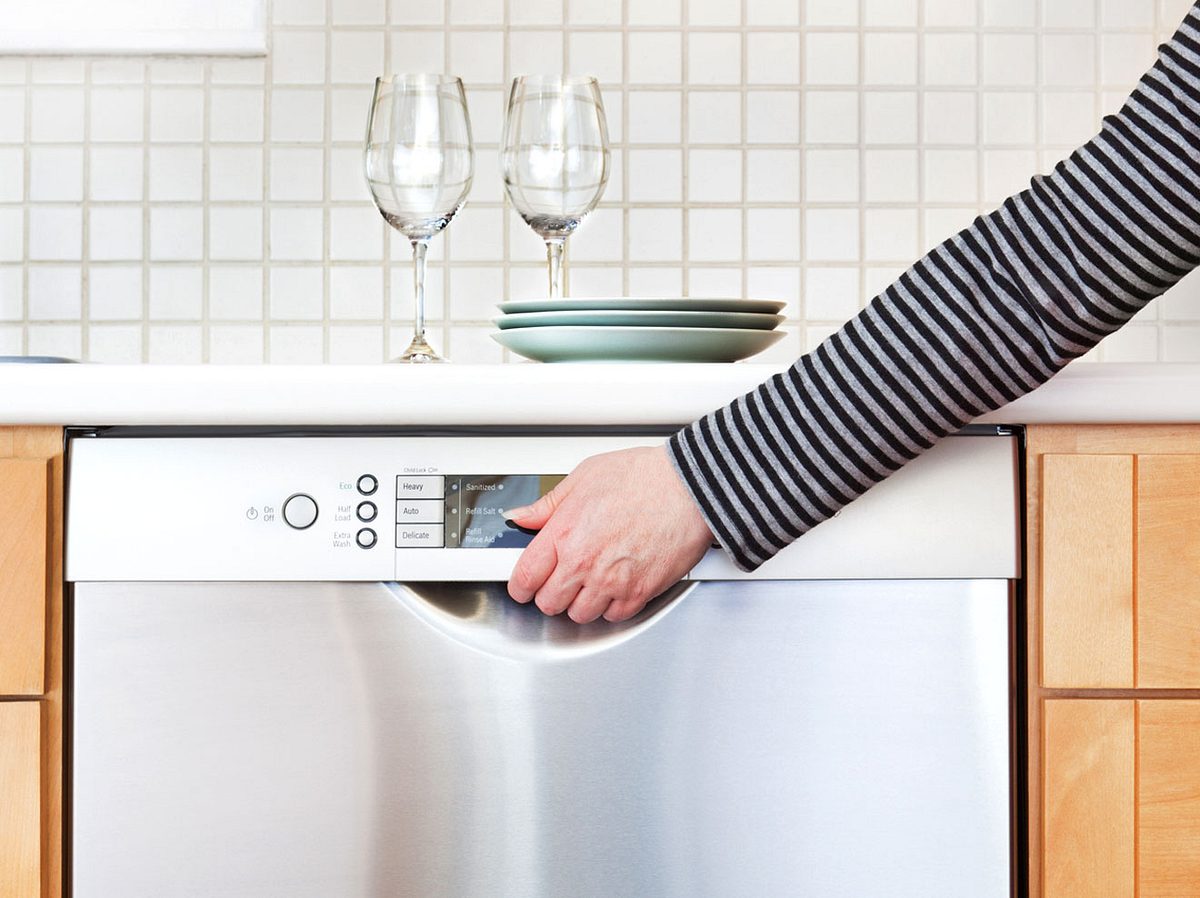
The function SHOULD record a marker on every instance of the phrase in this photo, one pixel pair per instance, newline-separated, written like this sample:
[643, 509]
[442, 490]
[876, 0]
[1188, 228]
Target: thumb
[535, 516]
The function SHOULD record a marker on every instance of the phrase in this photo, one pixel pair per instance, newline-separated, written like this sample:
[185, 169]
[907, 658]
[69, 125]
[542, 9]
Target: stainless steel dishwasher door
[833, 739]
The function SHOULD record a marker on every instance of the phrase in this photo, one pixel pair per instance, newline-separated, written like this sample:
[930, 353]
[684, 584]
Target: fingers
[624, 608]
[558, 592]
[589, 604]
[533, 568]
[535, 516]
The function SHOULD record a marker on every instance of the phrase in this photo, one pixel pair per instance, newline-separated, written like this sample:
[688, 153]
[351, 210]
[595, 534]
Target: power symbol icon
[251, 513]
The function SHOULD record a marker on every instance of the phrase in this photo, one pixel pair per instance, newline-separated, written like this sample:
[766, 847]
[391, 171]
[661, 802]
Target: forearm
[985, 317]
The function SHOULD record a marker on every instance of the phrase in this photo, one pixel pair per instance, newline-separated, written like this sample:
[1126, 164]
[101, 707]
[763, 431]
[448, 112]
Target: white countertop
[526, 394]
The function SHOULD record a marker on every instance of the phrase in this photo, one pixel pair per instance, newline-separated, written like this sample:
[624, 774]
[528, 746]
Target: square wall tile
[831, 176]
[357, 57]
[356, 233]
[951, 176]
[12, 115]
[890, 58]
[12, 293]
[717, 12]
[1068, 60]
[535, 51]
[235, 292]
[12, 174]
[176, 173]
[655, 176]
[176, 233]
[776, 282]
[1124, 58]
[235, 232]
[475, 12]
[536, 12]
[476, 56]
[950, 59]
[116, 173]
[773, 58]
[56, 339]
[117, 114]
[715, 58]
[12, 234]
[57, 114]
[296, 345]
[297, 233]
[596, 53]
[357, 345]
[297, 293]
[356, 292]
[235, 344]
[1127, 14]
[655, 235]
[115, 293]
[418, 12]
[831, 235]
[1010, 13]
[601, 237]
[298, 115]
[890, 234]
[655, 57]
[115, 344]
[716, 117]
[715, 176]
[1006, 172]
[1009, 60]
[830, 58]
[298, 12]
[950, 118]
[890, 13]
[115, 233]
[55, 233]
[890, 176]
[176, 115]
[55, 173]
[831, 116]
[298, 173]
[889, 117]
[1074, 14]
[772, 234]
[666, 12]
[347, 181]
[830, 293]
[350, 106]
[176, 292]
[830, 12]
[55, 292]
[773, 176]
[236, 114]
[654, 116]
[772, 117]
[414, 51]
[1009, 118]
[298, 57]
[176, 344]
[235, 173]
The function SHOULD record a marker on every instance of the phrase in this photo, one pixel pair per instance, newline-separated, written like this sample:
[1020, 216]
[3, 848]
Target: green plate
[615, 318]
[636, 344]
[629, 304]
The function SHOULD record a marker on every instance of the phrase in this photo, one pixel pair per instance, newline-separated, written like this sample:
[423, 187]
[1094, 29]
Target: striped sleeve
[985, 317]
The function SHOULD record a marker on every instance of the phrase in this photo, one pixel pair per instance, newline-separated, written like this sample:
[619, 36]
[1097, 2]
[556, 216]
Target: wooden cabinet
[1113, 647]
[31, 673]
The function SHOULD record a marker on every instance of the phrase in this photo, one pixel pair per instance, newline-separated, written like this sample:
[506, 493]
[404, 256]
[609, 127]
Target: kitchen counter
[508, 394]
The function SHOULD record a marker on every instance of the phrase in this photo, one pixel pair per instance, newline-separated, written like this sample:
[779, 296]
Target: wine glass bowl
[554, 157]
[419, 163]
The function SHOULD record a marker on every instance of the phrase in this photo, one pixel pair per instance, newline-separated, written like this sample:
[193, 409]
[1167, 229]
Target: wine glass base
[420, 353]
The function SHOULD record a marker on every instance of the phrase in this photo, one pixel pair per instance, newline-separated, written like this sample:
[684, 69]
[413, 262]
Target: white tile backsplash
[214, 210]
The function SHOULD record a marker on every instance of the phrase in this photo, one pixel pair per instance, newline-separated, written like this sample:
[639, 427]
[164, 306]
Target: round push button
[367, 511]
[300, 511]
[365, 538]
[367, 484]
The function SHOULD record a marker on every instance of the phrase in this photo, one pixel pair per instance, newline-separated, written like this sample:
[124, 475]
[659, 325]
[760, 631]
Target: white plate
[649, 304]
[636, 344]
[639, 318]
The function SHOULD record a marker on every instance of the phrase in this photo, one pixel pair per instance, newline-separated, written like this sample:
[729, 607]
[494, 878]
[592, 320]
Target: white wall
[214, 211]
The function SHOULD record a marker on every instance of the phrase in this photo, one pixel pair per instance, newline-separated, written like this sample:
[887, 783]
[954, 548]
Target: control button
[420, 511]
[365, 538]
[367, 484]
[366, 511]
[432, 487]
[418, 537]
[300, 511]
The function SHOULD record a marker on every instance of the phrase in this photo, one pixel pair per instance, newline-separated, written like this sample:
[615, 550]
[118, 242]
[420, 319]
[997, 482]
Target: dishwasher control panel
[432, 508]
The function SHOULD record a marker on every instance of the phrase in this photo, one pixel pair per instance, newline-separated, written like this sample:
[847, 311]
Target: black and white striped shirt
[985, 317]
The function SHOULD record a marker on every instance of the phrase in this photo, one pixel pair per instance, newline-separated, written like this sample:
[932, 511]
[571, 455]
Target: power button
[300, 511]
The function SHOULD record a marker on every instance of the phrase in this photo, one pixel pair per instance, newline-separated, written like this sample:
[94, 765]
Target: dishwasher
[294, 672]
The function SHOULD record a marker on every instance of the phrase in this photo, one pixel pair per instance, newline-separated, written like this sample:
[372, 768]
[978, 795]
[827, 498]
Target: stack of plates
[638, 330]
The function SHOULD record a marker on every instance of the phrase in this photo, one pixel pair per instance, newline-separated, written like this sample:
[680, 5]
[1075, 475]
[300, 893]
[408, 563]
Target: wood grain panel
[24, 488]
[20, 800]
[1168, 571]
[1088, 799]
[1087, 570]
[1169, 799]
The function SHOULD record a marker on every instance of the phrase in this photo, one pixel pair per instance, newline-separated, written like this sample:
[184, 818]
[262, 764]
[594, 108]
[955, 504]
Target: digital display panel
[475, 506]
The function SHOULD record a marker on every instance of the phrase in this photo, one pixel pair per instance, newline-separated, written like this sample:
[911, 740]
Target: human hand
[615, 533]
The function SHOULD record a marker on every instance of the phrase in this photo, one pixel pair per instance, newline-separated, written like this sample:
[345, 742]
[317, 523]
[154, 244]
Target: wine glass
[554, 157]
[419, 163]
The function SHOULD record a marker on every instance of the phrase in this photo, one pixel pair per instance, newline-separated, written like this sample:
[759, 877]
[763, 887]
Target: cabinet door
[1088, 798]
[1168, 571]
[1168, 799]
[20, 800]
[1087, 571]
[24, 492]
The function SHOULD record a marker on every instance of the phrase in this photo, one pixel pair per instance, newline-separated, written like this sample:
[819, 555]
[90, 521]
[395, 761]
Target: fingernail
[514, 512]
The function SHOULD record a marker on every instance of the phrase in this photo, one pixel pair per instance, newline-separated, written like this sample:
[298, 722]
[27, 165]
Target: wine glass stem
[554, 255]
[420, 247]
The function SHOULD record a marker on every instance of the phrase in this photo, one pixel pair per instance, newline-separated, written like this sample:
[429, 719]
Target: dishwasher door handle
[484, 617]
